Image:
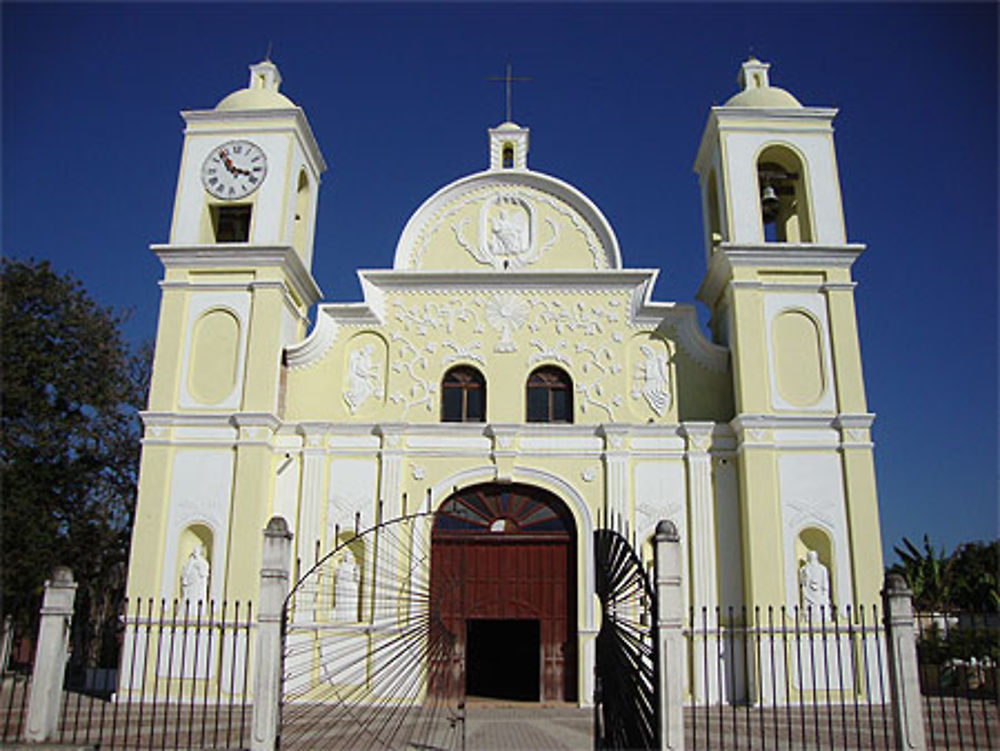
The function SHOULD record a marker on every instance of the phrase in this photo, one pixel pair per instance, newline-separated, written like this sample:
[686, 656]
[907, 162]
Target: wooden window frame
[466, 379]
[552, 380]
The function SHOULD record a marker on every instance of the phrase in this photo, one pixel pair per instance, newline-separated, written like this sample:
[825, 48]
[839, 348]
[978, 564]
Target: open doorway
[502, 658]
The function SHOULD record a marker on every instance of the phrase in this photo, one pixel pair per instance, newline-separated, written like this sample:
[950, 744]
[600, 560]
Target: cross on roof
[508, 79]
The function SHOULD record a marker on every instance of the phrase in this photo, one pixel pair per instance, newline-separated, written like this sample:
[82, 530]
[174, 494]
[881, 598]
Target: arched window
[550, 395]
[463, 395]
[300, 228]
[714, 222]
[783, 201]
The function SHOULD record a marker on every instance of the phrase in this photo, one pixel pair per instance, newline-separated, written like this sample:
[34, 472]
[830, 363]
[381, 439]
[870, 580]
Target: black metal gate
[367, 662]
[626, 702]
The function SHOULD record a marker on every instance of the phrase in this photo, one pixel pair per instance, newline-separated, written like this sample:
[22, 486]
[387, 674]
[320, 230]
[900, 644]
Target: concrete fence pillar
[51, 654]
[669, 636]
[904, 678]
[274, 582]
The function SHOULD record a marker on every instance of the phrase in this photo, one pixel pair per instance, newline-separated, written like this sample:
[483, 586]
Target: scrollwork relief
[598, 365]
[408, 361]
[462, 352]
[556, 353]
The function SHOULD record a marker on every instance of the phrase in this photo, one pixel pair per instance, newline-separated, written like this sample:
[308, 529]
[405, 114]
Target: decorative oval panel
[798, 358]
[214, 363]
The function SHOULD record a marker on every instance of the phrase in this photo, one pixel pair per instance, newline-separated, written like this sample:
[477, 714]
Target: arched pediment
[515, 221]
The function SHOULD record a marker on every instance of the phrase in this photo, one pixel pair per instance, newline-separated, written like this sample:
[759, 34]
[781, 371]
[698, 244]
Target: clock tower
[236, 291]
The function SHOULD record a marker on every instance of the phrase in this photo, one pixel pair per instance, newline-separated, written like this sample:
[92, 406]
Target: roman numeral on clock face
[234, 169]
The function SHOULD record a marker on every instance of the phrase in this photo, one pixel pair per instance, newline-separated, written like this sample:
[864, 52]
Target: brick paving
[528, 727]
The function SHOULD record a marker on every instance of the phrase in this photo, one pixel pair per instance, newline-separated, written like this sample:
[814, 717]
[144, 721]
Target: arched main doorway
[503, 560]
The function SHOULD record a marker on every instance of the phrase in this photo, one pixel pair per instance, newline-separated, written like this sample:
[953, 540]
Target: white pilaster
[310, 529]
[698, 461]
[390, 484]
[616, 457]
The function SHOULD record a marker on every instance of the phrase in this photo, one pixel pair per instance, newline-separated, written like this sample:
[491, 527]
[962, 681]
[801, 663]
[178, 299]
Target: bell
[769, 204]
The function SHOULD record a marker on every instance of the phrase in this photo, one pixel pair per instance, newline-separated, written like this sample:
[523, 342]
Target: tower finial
[267, 55]
[508, 79]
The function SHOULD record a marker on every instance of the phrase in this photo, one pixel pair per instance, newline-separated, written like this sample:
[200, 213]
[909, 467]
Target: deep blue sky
[397, 99]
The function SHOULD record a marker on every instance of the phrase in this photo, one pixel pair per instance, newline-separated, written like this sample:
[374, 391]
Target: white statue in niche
[363, 378]
[346, 586]
[194, 576]
[814, 585]
[652, 380]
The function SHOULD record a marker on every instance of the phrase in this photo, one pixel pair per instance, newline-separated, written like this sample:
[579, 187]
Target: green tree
[69, 450]
[974, 568]
[926, 573]
[967, 579]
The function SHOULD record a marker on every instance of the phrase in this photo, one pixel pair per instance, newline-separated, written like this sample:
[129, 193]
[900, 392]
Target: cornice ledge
[384, 429]
[151, 418]
[805, 255]
[242, 255]
[463, 429]
[857, 421]
[479, 279]
[748, 421]
[729, 112]
[312, 427]
[728, 256]
[255, 420]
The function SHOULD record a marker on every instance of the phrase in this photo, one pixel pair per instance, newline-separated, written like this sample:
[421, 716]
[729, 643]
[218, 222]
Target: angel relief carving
[652, 379]
[364, 378]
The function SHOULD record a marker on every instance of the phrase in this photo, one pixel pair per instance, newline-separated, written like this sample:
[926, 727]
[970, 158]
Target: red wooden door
[506, 553]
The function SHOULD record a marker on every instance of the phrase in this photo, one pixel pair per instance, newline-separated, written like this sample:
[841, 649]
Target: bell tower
[781, 297]
[236, 291]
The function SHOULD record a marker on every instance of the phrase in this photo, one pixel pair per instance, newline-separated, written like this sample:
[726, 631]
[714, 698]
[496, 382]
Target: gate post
[51, 654]
[904, 679]
[274, 577]
[669, 639]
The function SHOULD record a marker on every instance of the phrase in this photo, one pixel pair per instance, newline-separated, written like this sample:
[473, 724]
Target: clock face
[234, 170]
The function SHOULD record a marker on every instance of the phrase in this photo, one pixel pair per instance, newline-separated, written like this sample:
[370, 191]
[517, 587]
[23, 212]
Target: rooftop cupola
[757, 89]
[508, 147]
[265, 75]
[753, 74]
[261, 93]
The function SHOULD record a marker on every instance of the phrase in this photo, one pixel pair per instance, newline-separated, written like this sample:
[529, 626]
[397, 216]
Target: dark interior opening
[231, 223]
[502, 659]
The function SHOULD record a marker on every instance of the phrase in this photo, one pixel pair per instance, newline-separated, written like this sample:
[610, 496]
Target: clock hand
[228, 162]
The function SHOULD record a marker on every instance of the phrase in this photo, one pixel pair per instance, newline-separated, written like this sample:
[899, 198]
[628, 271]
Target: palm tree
[927, 573]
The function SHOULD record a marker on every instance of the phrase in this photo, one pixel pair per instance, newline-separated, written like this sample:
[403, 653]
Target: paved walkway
[528, 727]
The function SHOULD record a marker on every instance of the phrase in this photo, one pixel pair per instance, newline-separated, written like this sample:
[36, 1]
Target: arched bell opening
[503, 566]
[784, 202]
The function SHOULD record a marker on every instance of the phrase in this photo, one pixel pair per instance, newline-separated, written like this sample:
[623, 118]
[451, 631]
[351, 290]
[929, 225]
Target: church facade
[512, 373]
